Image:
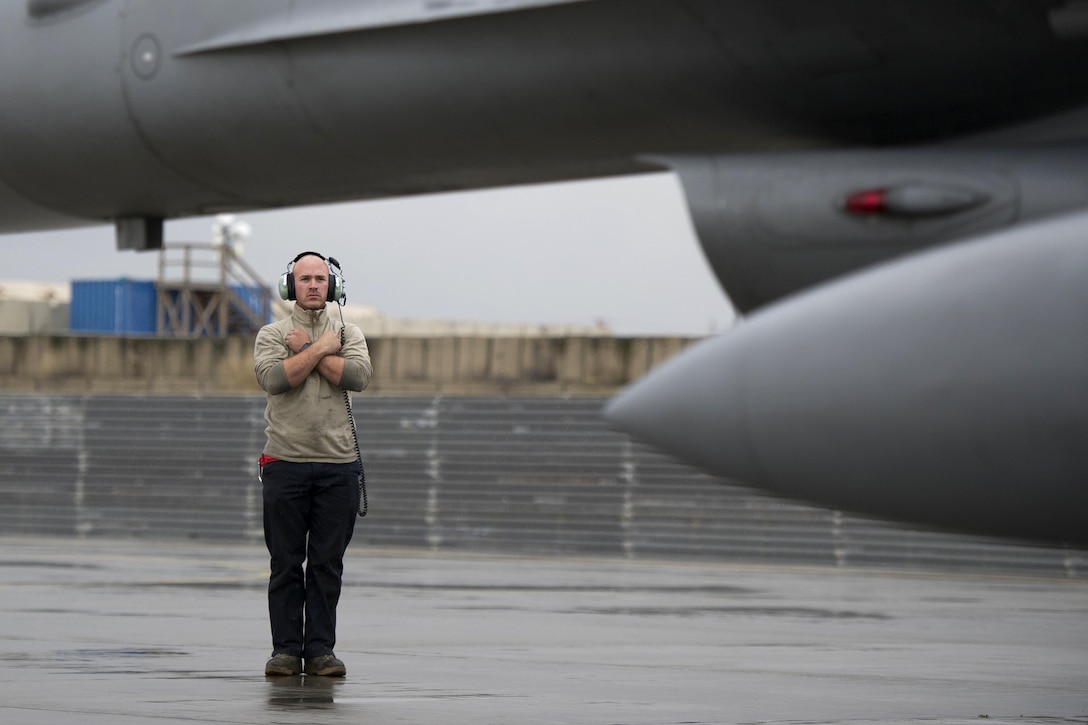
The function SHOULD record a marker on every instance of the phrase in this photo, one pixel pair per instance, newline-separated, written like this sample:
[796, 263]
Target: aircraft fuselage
[164, 109]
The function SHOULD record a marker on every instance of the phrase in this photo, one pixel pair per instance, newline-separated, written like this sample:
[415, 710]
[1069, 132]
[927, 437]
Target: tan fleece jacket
[309, 424]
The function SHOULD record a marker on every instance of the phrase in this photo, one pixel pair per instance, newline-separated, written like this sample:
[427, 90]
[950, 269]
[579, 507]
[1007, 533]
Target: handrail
[192, 290]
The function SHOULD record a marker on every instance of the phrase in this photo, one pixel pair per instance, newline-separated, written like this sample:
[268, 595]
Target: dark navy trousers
[309, 517]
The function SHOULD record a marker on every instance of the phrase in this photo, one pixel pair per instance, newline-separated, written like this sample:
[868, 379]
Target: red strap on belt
[265, 460]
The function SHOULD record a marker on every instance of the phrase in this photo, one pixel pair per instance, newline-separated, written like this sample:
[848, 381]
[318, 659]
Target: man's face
[311, 282]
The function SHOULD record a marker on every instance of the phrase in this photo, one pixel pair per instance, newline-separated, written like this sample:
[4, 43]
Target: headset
[336, 281]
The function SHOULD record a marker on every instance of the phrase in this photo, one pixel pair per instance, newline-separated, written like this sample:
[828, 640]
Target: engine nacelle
[774, 224]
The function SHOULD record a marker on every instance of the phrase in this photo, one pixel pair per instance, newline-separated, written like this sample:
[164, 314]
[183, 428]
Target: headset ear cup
[336, 288]
[287, 286]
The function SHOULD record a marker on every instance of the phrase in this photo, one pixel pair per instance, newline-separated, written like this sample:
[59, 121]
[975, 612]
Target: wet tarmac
[135, 632]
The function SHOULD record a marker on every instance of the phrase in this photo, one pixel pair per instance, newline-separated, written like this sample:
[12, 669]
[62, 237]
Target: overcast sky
[619, 251]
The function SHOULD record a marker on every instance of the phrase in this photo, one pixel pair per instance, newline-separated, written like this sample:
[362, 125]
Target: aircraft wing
[841, 159]
[321, 18]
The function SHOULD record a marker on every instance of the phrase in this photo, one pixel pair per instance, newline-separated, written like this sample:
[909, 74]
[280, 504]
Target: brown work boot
[283, 665]
[326, 666]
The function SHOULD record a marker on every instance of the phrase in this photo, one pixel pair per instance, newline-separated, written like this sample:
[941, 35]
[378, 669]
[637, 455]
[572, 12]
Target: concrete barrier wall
[484, 444]
[508, 475]
[403, 365]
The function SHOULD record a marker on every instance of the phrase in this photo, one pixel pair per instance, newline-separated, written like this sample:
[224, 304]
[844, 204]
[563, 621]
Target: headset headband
[300, 255]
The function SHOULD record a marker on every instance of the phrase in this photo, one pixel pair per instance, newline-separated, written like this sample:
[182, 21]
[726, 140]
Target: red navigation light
[913, 200]
[871, 201]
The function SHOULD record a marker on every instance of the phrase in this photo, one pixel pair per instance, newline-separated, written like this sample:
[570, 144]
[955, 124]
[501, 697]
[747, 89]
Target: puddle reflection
[302, 691]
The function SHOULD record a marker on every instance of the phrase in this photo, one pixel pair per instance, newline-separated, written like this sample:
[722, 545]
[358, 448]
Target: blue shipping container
[254, 298]
[117, 306]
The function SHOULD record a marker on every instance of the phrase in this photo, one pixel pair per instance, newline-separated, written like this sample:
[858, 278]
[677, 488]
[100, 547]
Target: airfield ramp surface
[155, 632]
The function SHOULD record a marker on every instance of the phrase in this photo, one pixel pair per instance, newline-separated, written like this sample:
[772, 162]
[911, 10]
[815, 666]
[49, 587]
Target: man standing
[310, 466]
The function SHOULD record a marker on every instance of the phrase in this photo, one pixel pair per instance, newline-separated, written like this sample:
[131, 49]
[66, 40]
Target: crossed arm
[321, 354]
[346, 367]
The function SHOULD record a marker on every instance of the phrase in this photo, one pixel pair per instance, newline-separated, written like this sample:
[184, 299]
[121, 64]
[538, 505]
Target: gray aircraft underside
[894, 193]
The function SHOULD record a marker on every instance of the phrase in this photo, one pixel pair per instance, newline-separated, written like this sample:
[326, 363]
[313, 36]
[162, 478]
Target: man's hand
[296, 338]
[328, 343]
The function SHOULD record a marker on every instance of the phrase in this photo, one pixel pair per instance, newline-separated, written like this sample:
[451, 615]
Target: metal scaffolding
[215, 293]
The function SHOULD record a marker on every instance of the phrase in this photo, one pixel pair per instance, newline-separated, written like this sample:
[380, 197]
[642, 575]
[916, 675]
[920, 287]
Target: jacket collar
[309, 318]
